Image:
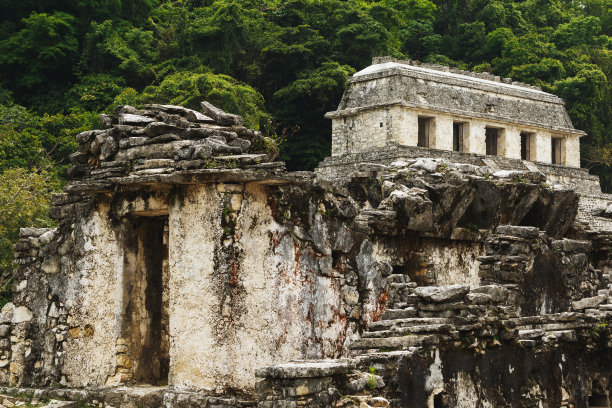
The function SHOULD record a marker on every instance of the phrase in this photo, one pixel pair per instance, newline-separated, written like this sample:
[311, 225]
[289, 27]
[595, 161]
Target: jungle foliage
[282, 64]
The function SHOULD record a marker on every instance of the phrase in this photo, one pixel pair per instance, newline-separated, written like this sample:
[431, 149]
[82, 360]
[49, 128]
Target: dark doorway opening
[458, 135]
[556, 150]
[146, 319]
[598, 401]
[438, 401]
[526, 142]
[425, 130]
[491, 140]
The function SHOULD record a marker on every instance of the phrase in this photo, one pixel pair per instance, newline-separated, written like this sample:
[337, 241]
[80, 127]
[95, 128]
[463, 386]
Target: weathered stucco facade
[189, 270]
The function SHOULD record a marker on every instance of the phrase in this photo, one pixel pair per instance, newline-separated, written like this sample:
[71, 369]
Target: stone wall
[408, 281]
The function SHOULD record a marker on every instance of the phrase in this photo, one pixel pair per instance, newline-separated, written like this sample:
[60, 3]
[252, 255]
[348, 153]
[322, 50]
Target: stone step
[394, 343]
[411, 321]
[404, 313]
[561, 335]
[556, 326]
[307, 369]
[403, 331]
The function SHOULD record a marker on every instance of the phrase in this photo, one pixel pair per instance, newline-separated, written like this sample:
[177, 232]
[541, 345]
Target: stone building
[188, 269]
[393, 103]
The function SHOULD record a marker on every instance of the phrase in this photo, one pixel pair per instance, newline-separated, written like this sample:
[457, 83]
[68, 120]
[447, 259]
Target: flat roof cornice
[388, 69]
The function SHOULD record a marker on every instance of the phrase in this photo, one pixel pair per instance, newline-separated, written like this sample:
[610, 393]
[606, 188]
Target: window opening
[556, 147]
[526, 141]
[491, 140]
[458, 135]
[425, 129]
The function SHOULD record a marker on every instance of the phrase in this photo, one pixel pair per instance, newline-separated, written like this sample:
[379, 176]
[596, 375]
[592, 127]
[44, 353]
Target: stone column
[510, 143]
[443, 133]
[572, 151]
[407, 125]
[339, 142]
[543, 148]
[475, 141]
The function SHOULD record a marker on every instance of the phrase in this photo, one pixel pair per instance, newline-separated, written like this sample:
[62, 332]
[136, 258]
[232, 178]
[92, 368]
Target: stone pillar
[510, 143]
[475, 142]
[339, 141]
[443, 133]
[572, 151]
[407, 125]
[543, 147]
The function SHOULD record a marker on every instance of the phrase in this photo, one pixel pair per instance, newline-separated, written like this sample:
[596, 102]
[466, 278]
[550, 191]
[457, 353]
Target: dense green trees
[281, 64]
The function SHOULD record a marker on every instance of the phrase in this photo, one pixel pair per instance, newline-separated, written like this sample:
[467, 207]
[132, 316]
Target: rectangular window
[556, 150]
[491, 140]
[425, 129]
[458, 136]
[526, 143]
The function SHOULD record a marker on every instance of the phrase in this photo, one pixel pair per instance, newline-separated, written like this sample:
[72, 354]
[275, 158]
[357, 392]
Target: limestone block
[379, 402]
[51, 265]
[518, 231]
[160, 128]
[131, 119]
[307, 369]
[442, 293]
[6, 316]
[588, 303]
[21, 314]
[219, 116]
[61, 404]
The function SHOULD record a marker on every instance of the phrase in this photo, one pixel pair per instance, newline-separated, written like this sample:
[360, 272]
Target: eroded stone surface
[188, 258]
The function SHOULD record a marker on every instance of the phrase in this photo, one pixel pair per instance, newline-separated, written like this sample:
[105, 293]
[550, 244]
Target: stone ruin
[189, 269]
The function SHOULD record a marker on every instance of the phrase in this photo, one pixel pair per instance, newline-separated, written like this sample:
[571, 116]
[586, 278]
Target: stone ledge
[307, 369]
[136, 396]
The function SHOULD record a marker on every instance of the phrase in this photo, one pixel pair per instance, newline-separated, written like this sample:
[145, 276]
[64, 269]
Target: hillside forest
[280, 64]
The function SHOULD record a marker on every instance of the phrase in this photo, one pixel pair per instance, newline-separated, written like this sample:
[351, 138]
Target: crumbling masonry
[189, 269]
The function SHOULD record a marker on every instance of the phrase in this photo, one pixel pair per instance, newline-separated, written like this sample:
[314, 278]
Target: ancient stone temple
[189, 269]
[398, 103]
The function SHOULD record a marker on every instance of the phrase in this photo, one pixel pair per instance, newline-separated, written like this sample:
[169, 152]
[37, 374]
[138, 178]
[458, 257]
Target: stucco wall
[398, 125]
[94, 298]
[279, 306]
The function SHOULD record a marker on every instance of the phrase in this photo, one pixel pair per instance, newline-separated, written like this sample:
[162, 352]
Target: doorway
[556, 150]
[526, 143]
[458, 136]
[145, 318]
[425, 131]
[492, 141]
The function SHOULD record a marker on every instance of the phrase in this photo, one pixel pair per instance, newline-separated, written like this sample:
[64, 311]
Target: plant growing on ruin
[372, 378]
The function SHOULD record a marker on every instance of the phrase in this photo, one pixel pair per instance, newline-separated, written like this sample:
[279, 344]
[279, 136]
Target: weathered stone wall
[387, 127]
[408, 280]
[245, 288]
